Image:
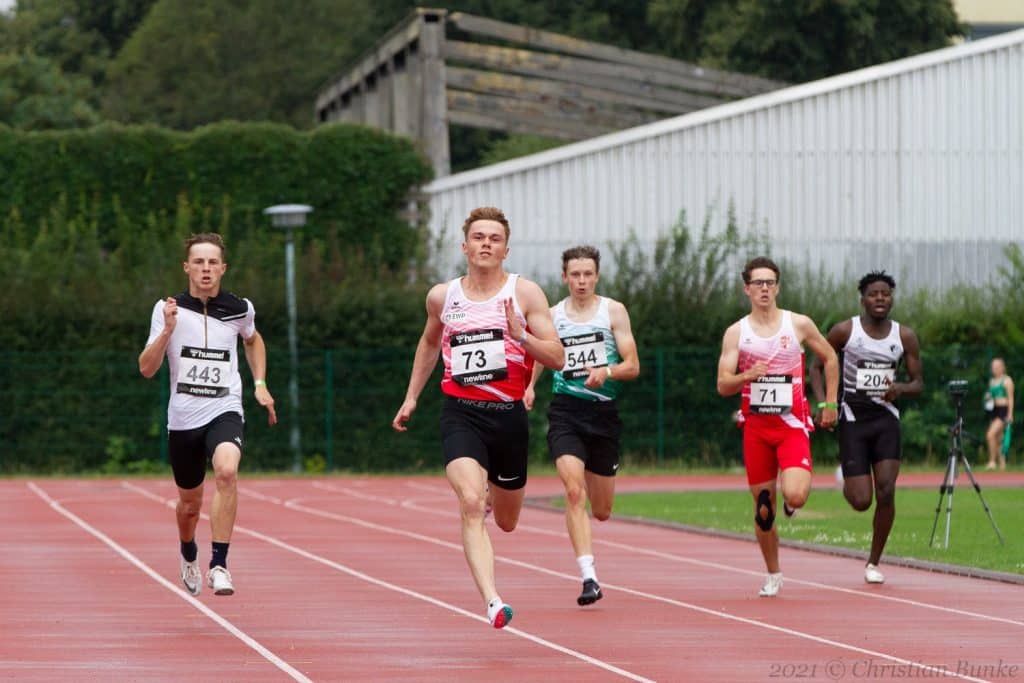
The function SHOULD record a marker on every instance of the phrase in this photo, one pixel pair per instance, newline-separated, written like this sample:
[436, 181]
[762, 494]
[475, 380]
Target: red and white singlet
[481, 360]
[780, 393]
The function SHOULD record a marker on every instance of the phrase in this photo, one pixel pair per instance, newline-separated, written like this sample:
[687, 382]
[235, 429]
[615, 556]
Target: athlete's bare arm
[629, 367]
[152, 357]
[256, 355]
[427, 351]
[808, 333]
[837, 338]
[729, 381]
[1009, 384]
[915, 371]
[530, 395]
[542, 340]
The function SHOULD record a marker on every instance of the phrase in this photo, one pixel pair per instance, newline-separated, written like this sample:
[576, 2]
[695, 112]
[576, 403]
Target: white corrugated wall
[916, 166]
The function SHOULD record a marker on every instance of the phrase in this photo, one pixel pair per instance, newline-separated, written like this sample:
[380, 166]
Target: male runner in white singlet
[872, 347]
[488, 326]
[583, 419]
[763, 359]
[198, 331]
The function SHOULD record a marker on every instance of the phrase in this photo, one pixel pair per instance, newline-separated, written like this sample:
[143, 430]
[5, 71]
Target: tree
[207, 60]
[36, 95]
[802, 40]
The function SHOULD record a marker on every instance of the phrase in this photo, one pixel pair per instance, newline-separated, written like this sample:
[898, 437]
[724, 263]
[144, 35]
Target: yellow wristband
[260, 383]
[608, 369]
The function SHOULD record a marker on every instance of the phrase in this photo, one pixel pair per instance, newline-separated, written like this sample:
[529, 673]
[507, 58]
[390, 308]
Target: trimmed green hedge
[356, 179]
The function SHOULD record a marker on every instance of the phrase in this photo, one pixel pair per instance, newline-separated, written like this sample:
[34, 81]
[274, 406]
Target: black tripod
[956, 452]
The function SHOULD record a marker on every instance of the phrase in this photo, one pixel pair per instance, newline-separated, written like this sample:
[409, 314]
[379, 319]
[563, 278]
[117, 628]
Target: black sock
[220, 555]
[189, 550]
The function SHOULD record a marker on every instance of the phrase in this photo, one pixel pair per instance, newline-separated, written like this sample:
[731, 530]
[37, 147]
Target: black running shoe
[591, 593]
[788, 510]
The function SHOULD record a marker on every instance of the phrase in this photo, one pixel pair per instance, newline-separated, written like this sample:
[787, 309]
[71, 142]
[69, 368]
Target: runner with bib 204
[872, 346]
[763, 360]
[488, 327]
[583, 420]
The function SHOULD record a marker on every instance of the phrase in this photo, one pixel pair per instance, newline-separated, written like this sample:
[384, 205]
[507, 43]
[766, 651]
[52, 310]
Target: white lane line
[405, 591]
[221, 621]
[412, 504]
[259, 496]
[924, 668]
[355, 494]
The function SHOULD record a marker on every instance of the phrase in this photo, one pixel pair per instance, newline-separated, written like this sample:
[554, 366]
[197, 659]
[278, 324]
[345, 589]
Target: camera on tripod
[957, 388]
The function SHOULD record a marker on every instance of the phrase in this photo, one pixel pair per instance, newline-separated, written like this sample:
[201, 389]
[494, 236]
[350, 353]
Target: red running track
[349, 579]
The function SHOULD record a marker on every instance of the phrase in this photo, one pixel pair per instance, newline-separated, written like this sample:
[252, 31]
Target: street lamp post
[289, 217]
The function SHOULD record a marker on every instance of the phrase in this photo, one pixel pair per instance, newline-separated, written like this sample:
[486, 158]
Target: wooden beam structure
[415, 82]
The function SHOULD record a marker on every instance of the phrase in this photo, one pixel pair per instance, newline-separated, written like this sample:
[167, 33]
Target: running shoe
[219, 579]
[789, 512]
[591, 593]
[872, 575]
[501, 616]
[772, 585]
[191, 576]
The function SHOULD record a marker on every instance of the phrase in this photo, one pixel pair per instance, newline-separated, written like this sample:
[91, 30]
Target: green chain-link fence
[82, 411]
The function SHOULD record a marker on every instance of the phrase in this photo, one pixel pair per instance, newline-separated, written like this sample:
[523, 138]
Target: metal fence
[91, 411]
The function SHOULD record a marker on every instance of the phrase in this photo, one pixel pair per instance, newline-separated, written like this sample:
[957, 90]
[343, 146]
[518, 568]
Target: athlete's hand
[170, 314]
[529, 396]
[756, 371]
[403, 415]
[514, 328]
[264, 398]
[828, 417]
[893, 393]
[596, 378]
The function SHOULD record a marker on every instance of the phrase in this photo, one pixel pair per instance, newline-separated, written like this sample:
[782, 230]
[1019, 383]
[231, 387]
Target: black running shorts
[589, 430]
[863, 443]
[190, 449]
[494, 433]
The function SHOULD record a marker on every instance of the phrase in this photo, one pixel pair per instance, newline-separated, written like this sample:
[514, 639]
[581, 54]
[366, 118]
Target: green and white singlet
[587, 345]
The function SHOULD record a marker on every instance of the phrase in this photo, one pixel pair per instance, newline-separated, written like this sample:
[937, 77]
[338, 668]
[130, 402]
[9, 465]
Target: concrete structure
[915, 166]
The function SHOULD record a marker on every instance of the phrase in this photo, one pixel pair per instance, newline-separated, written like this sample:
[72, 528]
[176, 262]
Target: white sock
[586, 563]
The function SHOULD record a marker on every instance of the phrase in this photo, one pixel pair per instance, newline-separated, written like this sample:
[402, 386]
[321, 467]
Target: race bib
[478, 357]
[772, 395]
[583, 351]
[204, 372]
[875, 377]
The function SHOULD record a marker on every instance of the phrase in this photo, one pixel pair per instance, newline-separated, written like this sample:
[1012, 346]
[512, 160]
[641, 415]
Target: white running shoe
[872, 575]
[219, 579]
[772, 585]
[191, 576]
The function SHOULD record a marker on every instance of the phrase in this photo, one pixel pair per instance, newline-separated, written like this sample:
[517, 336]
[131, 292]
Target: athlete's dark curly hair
[875, 276]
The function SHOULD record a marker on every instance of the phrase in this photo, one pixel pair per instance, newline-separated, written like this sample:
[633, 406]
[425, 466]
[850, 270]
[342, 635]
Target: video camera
[957, 388]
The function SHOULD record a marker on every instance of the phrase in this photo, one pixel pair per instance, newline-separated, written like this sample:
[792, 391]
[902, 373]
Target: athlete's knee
[601, 509]
[575, 495]
[226, 477]
[795, 499]
[885, 494]
[190, 508]
[506, 523]
[858, 500]
[472, 505]
[764, 517]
